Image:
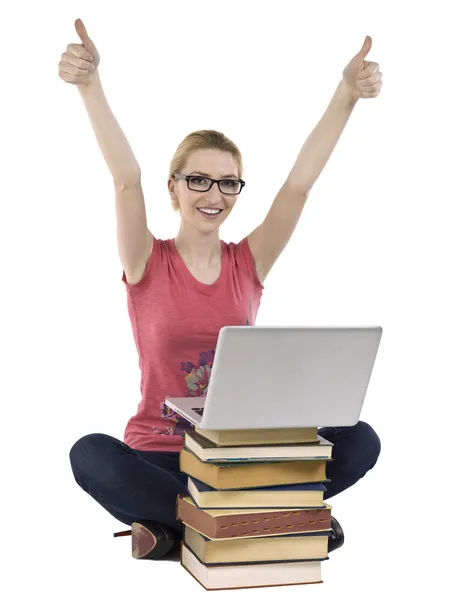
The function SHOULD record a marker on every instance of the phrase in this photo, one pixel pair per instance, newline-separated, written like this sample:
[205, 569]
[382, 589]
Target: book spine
[272, 524]
[196, 518]
[253, 524]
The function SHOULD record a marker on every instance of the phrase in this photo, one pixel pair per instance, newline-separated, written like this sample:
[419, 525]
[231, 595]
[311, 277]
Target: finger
[67, 77]
[371, 88]
[371, 80]
[76, 62]
[365, 49]
[370, 69]
[371, 94]
[66, 67]
[79, 51]
[82, 33]
[372, 91]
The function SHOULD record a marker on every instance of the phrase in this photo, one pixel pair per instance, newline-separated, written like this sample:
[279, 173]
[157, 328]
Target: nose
[214, 192]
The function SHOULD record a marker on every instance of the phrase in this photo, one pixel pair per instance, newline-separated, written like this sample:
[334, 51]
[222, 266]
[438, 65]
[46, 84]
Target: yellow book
[252, 475]
[249, 437]
[257, 549]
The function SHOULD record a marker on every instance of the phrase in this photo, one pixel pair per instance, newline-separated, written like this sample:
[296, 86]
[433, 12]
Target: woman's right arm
[79, 66]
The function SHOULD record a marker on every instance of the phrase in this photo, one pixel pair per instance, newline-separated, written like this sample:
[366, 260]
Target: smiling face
[206, 210]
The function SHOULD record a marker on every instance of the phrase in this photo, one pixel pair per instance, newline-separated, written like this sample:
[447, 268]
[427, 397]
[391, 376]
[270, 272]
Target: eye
[197, 180]
[230, 182]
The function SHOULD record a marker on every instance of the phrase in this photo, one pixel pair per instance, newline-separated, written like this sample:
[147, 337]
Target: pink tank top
[175, 321]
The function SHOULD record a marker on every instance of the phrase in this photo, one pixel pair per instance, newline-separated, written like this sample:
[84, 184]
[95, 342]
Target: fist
[80, 61]
[362, 77]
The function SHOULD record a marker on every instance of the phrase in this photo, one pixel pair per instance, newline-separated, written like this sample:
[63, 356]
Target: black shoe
[175, 553]
[337, 537]
[151, 540]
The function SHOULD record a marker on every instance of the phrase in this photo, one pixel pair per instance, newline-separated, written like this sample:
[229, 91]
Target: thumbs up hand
[80, 61]
[362, 78]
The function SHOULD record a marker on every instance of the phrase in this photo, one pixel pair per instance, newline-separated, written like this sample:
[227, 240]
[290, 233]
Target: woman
[181, 292]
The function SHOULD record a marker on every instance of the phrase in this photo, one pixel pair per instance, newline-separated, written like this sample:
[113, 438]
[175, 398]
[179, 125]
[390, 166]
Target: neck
[201, 250]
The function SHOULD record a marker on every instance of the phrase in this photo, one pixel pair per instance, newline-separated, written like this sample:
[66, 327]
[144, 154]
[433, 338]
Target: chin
[210, 224]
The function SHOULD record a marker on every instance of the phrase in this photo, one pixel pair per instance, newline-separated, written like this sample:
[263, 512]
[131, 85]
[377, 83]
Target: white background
[371, 248]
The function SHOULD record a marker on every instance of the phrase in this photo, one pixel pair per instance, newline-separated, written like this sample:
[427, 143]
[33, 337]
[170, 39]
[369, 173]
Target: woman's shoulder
[241, 256]
[242, 245]
[156, 259]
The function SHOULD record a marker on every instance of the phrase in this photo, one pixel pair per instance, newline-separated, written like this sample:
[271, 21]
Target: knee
[85, 453]
[369, 442]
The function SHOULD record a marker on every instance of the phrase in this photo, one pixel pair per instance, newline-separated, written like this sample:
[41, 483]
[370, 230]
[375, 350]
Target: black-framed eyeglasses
[198, 183]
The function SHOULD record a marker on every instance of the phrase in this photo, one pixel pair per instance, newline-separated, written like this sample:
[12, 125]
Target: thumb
[82, 33]
[365, 49]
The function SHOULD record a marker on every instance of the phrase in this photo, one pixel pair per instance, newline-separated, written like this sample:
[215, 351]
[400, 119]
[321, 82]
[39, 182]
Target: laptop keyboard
[199, 411]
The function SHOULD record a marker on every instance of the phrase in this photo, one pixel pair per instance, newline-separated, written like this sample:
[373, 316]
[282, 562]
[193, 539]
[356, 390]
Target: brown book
[252, 475]
[235, 523]
[250, 437]
[227, 577]
[303, 546]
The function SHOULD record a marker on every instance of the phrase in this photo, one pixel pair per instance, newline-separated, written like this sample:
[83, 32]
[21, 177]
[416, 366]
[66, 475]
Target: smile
[210, 212]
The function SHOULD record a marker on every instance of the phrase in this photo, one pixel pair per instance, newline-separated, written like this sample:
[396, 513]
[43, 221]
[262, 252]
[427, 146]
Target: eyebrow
[207, 174]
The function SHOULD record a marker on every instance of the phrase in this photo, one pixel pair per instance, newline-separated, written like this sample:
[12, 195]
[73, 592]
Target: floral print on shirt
[197, 381]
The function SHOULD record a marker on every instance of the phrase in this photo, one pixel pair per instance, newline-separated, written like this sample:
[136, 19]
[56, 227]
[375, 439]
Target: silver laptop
[268, 377]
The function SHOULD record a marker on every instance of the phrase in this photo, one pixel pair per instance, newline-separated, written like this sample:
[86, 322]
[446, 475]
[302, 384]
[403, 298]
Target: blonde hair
[201, 140]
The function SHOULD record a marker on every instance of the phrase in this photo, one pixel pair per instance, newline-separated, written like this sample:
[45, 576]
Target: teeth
[211, 211]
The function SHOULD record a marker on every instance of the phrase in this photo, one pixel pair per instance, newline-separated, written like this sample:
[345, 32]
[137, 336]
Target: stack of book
[254, 514]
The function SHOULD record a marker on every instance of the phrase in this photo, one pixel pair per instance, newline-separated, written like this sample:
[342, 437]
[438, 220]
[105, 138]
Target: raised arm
[79, 66]
[361, 79]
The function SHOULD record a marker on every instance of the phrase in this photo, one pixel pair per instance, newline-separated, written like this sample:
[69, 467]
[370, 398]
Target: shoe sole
[145, 545]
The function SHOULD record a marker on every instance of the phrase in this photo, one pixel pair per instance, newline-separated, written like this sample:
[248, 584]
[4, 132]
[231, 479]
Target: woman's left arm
[361, 79]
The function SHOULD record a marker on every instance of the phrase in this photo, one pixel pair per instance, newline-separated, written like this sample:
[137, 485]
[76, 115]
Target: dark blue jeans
[134, 484]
